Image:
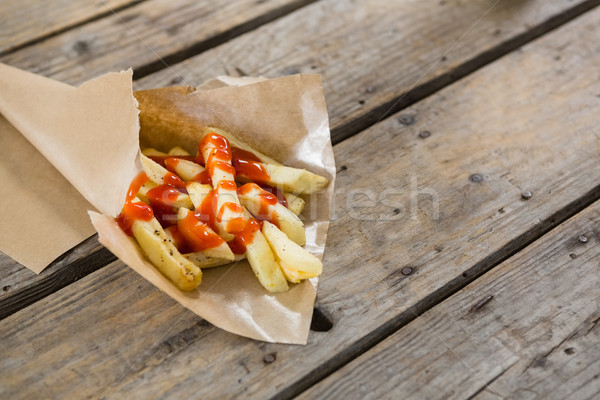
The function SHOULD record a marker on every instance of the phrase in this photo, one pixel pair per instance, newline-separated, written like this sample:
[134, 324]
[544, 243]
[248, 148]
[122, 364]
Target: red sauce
[203, 177]
[245, 237]
[173, 180]
[227, 185]
[206, 210]
[178, 239]
[252, 170]
[222, 165]
[249, 165]
[162, 199]
[215, 141]
[162, 159]
[171, 164]
[197, 234]
[277, 192]
[133, 211]
[266, 199]
[244, 154]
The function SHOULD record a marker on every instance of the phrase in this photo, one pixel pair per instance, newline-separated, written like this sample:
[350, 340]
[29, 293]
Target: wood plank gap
[54, 279]
[100, 258]
[218, 39]
[421, 91]
[384, 331]
[19, 299]
[69, 27]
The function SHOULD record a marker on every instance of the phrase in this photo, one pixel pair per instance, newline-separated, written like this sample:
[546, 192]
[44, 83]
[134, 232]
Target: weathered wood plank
[353, 74]
[21, 287]
[147, 37]
[492, 136]
[377, 56]
[536, 338]
[25, 21]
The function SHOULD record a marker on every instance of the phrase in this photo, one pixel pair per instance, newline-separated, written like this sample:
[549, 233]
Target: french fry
[155, 171]
[259, 201]
[203, 261]
[178, 151]
[188, 230]
[265, 266]
[294, 203]
[164, 255]
[187, 170]
[235, 142]
[182, 199]
[198, 193]
[296, 263]
[293, 180]
[150, 152]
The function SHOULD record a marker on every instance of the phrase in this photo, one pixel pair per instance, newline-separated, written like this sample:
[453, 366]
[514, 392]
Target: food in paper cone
[225, 203]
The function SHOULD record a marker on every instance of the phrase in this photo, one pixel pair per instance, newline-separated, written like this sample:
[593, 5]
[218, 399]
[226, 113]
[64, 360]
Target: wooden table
[467, 264]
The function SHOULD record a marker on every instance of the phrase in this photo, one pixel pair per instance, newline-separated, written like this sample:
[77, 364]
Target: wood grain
[413, 37]
[147, 37]
[26, 21]
[389, 256]
[538, 337]
[21, 287]
[377, 56]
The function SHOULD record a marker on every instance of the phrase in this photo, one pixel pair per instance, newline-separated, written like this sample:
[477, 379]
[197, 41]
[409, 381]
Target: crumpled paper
[90, 135]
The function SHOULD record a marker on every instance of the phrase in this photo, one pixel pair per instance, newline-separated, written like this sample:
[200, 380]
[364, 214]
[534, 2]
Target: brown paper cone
[96, 124]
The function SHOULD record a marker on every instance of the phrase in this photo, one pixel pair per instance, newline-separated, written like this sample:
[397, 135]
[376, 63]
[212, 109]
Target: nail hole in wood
[270, 358]
[407, 119]
[320, 322]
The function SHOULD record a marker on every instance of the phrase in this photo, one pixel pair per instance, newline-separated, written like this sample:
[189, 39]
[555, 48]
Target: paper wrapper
[90, 134]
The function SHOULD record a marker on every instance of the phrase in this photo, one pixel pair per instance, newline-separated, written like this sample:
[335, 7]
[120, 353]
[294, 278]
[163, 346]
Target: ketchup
[245, 237]
[198, 236]
[162, 159]
[162, 198]
[247, 164]
[133, 211]
[277, 193]
[266, 199]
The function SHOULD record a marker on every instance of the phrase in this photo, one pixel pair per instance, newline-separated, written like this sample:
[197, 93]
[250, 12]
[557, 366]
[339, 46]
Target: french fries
[164, 255]
[227, 203]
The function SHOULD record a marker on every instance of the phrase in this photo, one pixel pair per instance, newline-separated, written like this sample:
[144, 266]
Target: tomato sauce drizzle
[203, 177]
[205, 211]
[173, 180]
[162, 159]
[266, 199]
[178, 239]
[133, 211]
[162, 198]
[220, 155]
[197, 234]
[277, 193]
[245, 237]
[249, 165]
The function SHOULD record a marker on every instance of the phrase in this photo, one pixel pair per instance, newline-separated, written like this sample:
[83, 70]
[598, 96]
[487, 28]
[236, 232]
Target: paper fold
[90, 134]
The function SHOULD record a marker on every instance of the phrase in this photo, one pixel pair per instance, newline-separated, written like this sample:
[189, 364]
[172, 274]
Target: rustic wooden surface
[538, 337]
[355, 97]
[131, 39]
[493, 135]
[525, 122]
[27, 21]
